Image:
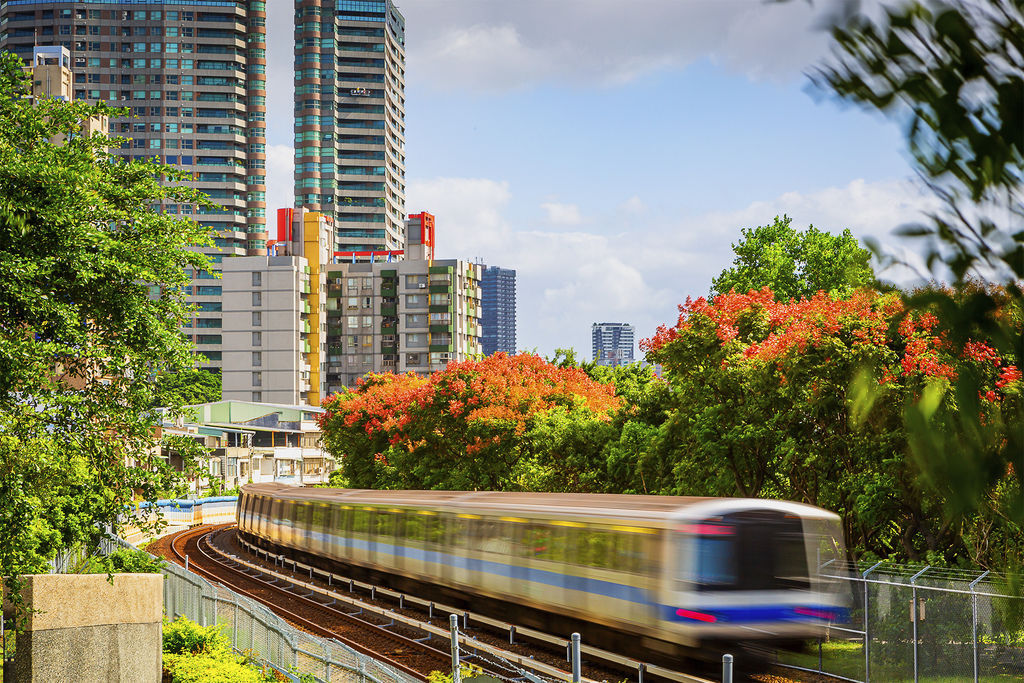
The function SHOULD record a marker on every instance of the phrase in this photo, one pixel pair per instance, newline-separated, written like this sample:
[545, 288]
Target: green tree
[951, 73]
[91, 304]
[766, 409]
[188, 387]
[796, 264]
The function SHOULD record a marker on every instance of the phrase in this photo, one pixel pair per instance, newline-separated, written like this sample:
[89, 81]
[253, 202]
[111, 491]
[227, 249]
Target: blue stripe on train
[609, 589]
[759, 614]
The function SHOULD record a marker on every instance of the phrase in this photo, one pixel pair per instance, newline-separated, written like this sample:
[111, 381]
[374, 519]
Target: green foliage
[91, 305]
[188, 387]
[771, 404]
[951, 73]
[124, 561]
[795, 264]
[221, 666]
[184, 636]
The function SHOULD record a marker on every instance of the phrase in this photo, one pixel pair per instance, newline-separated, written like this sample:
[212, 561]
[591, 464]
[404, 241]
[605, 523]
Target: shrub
[219, 665]
[184, 636]
[123, 561]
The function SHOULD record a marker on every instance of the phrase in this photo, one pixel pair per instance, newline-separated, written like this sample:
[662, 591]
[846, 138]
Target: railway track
[399, 651]
[226, 561]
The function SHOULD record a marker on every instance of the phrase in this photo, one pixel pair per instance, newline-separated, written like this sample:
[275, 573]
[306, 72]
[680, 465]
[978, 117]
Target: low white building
[258, 442]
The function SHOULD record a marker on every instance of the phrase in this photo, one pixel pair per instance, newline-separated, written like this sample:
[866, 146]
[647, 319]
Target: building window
[257, 379]
[257, 279]
[367, 321]
[412, 359]
[257, 319]
[414, 339]
[257, 359]
[257, 299]
[257, 339]
[257, 396]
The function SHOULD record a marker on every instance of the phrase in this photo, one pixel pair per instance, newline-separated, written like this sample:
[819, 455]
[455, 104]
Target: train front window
[716, 560]
[749, 550]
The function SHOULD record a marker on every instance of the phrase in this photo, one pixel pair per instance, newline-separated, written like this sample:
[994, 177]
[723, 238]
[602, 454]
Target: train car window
[791, 561]
[459, 532]
[415, 527]
[595, 548]
[434, 529]
[383, 523]
[360, 521]
[538, 542]
[627, 552]
[494, 537]
[288, 513]
[319, 516]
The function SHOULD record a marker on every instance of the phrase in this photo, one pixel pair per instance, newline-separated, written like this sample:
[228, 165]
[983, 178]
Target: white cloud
[500, 46]
[570, 279]
[634, 205]
[562, 214]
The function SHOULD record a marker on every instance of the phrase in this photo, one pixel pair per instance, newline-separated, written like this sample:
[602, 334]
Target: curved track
[396, 650]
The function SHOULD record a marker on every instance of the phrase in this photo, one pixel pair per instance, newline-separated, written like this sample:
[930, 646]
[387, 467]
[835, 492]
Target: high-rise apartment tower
[193, 76]
[613, 343]
[350, 119]
[498, 301]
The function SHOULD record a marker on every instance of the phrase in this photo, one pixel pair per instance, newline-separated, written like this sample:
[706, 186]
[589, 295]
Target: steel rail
[305, 623]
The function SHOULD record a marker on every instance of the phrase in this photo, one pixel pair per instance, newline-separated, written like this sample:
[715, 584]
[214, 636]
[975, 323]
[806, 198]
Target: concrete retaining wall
[83, 628]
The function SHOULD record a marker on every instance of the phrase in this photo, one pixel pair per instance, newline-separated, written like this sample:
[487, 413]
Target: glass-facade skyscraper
[193, 76]
[350, 119]
[498, 301]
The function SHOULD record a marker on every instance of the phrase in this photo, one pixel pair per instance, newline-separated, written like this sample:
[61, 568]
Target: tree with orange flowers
[466, 427]
[772, 403]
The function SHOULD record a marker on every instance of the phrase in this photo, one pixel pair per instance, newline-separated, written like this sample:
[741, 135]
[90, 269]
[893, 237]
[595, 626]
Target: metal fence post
[575, 658]
[453, 625]
[867, 633]
[234, 623]
[913, 613]
[726, 668]
[974, 624]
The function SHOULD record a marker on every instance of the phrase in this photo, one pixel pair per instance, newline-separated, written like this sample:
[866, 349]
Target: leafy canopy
[465, 427]
[951, 72]
[768, 408]
[188, 387]
[91, 304]
[794, 264]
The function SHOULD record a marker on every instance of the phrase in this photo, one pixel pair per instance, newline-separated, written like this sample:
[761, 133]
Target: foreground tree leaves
[91, 303]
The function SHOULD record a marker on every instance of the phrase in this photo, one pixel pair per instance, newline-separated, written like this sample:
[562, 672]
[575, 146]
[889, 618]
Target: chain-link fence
[922, 624]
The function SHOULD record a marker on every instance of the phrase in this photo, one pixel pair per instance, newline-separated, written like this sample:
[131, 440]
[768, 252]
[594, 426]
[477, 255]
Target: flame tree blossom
[466, 427]
[804, 400]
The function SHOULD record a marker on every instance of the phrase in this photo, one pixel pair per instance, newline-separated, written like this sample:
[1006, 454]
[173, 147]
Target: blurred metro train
[667, 573]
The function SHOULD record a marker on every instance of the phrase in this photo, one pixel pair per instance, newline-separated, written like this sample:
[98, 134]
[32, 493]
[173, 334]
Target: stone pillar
[83, 628]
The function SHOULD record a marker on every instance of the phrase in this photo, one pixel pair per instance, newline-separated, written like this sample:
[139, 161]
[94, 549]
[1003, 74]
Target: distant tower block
[613, 343]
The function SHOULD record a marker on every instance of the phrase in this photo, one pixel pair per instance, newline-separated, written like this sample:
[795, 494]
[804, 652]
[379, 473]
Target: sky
[610, 152]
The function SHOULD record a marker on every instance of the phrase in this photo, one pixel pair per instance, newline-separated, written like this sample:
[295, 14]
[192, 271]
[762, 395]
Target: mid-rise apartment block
[414, 315]
[275, 315]
[613, 343]
[350, 120]
[193, 77]
[498, 290]
[51, 78]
